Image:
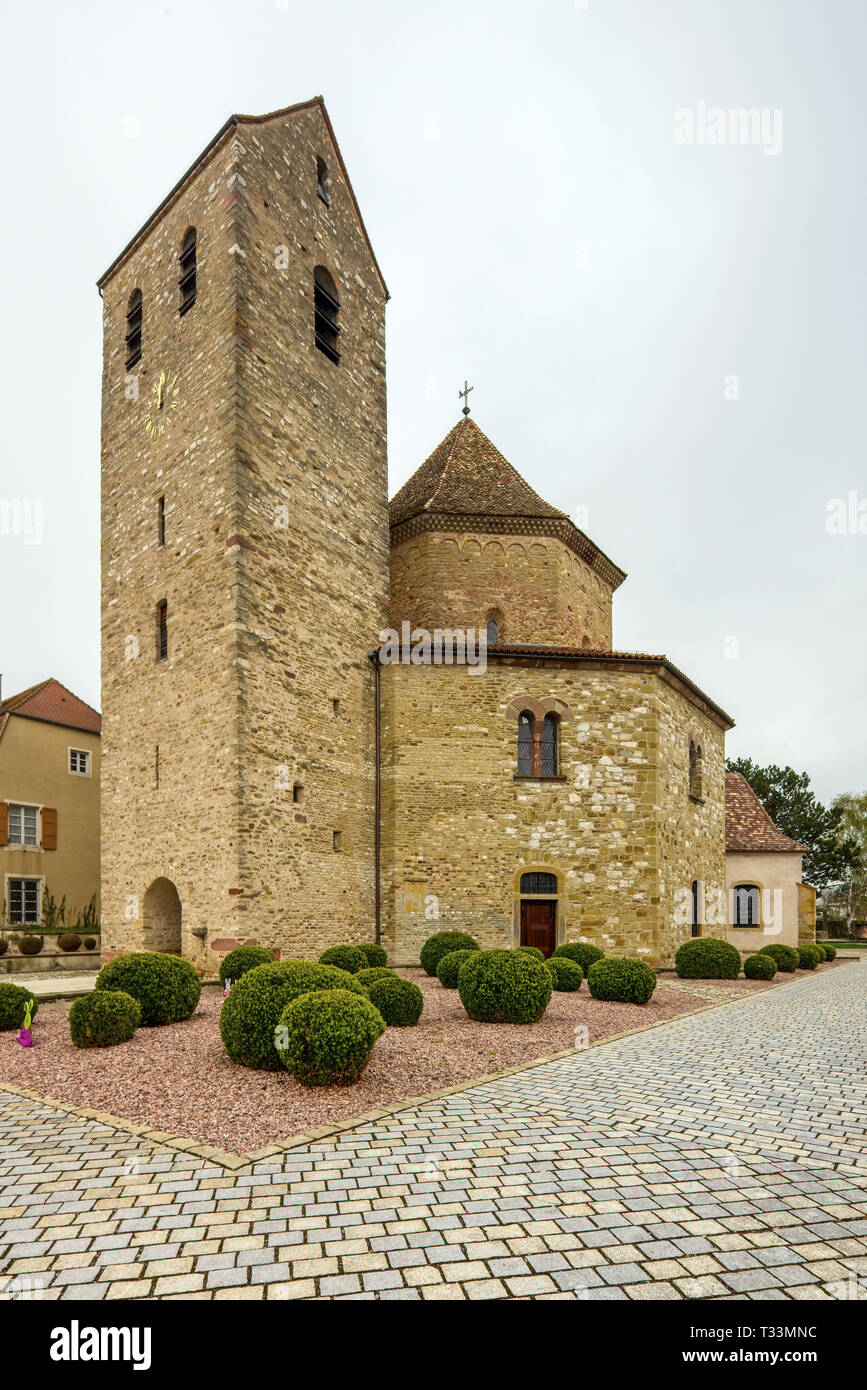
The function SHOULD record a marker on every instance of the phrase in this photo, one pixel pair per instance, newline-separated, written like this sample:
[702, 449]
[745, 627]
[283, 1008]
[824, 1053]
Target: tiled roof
[53, 703]
[467, 476]
[748, 825]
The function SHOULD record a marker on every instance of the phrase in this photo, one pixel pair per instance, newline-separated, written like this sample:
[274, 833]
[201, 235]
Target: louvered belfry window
[326, 313]
[187, 282]
[133, 329]
[162, 631]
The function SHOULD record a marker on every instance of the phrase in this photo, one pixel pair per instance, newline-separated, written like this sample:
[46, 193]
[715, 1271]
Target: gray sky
[543, 232]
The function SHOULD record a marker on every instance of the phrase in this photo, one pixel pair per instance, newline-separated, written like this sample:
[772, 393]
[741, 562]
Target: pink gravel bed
[178, 1078]
[743, 986]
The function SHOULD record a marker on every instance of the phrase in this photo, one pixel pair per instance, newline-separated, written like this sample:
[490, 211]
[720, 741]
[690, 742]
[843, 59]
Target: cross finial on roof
[465, 396]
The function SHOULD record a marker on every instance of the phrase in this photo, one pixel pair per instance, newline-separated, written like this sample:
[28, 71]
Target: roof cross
[465, 396]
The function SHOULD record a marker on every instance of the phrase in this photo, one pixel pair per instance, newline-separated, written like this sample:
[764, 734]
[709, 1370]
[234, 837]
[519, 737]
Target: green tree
[832, 852]
[847, 898]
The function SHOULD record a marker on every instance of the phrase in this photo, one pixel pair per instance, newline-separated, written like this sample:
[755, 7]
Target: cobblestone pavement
[718, 1156]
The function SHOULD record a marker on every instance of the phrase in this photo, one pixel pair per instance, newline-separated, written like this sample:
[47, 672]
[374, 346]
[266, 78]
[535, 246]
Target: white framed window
[23, 901]
[23, 825]
[79, 762]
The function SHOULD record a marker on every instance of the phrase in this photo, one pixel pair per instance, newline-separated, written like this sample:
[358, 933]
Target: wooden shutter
[4, 823]
[49, 828]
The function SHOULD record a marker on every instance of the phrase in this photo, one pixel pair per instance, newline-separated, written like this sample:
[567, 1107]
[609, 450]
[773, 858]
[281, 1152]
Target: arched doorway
[162, 918]
[538, 910]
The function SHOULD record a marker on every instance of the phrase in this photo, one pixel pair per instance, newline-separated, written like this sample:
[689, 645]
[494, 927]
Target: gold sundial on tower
[163, 400]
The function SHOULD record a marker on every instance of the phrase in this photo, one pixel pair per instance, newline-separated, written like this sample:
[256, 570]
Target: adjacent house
[768, 901]
[49, 803]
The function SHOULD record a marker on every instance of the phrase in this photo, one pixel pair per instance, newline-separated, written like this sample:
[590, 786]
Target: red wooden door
[539, 925]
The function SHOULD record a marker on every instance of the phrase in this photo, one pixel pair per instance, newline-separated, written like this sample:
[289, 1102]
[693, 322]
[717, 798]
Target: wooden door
[539, 925]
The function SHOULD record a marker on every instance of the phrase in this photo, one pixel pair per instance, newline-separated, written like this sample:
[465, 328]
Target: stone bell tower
[244, 552]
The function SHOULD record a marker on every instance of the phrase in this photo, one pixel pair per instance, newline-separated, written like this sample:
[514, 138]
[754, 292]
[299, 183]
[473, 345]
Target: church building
[272, 771]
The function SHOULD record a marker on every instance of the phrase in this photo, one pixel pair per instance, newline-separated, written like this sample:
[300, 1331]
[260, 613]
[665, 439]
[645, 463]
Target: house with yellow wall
[49, 804]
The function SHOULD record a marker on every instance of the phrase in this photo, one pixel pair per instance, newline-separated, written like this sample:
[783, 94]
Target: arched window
[525, 744]
[746, 906]
[695, 770]
[187, 281]
[326, 312]
[696, 907]
[322, 184]
[133, 329]
[536, 883]
[492, 629]
[549, 745]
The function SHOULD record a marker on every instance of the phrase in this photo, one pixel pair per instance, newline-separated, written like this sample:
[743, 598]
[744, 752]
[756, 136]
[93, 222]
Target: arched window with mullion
[525, 744]
[549, 745]
[746, 906]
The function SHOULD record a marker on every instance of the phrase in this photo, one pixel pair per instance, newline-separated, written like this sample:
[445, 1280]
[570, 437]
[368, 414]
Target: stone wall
[537, 588]
[616, 828]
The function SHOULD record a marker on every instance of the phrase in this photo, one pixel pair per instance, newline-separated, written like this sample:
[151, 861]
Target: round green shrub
[103, 1018]
[760, 967]
[504, 987]
[621, 979]
[449, 966]
[242, 959]
[30, 945]
[830, 951]
[581, 952]
[786, 957]
[166, 986]
[532, 951]
[251, 1011]
[399, 1001]
[375, 954]
[566, 974]
[374, 972]
[13, 1006]
[808, 958]
[69, 941]
[90, 943]
[326, 1037]
[707, 958]
[440, 944]
[349, 958]
[820, 950]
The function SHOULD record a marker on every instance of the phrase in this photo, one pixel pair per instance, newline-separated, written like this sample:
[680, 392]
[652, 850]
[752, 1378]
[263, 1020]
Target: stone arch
[161, 918]
[539, 708]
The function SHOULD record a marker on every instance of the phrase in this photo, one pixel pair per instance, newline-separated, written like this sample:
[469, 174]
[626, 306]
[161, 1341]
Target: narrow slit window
[161, 520]
[322, 185]
[133, 329]
[187, 282]
[162, 631]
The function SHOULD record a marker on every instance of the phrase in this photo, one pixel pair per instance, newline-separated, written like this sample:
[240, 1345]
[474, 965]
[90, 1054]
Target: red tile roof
[748, 825]
[53, 703]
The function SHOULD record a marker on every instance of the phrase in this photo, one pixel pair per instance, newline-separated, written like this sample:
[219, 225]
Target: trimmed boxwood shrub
[90, 943]
[349, 958]
[167, 987]
[624, 980]
[707, 958]
[581, 952]
[375, 954]
[532, 951]
[242, 959]
[504, 987]
[440, 944]
[374, 972]
[103, 1018]
[251, 1011]
[760, 967]
[830, 951]
[786, 957]
[69, 941]
[399, 1001]
[13, 1005]
[820, 950]
[30, 945]
[326, 1037]
[566, 974]
[808, 958]
[449, 966]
